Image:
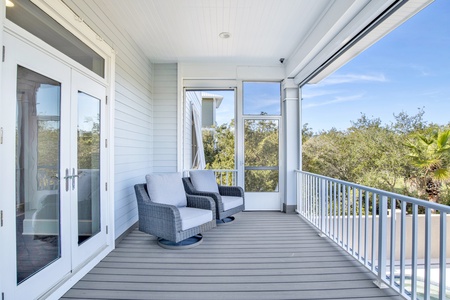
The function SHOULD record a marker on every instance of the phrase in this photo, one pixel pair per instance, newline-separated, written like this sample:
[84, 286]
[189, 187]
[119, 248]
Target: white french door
[87, 160]
[54, 212]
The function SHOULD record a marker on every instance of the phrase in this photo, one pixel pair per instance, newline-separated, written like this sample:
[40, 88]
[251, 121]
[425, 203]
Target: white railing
[402, 240]
[223, 177]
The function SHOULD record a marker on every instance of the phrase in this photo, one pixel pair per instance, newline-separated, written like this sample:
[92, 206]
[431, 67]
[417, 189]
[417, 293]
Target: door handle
[67, 177]
[74, 175]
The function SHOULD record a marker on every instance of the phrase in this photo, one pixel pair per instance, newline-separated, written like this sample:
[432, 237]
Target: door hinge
[3, 296]
[106, 100]
[1, 218]
[106, 186]
[106, 229]
[3, 54]
[1, 135]
[106, 143]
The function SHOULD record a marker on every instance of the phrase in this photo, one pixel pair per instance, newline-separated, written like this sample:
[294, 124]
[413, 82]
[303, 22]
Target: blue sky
[407, 69]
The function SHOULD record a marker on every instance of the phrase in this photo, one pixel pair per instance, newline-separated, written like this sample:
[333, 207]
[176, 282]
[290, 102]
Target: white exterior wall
[165, 118]
[133, 122]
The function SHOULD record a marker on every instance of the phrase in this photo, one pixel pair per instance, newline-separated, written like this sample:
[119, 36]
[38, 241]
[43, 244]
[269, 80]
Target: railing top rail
[431, 205]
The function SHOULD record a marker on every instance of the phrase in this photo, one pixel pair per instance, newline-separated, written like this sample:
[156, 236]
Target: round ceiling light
[224, 35]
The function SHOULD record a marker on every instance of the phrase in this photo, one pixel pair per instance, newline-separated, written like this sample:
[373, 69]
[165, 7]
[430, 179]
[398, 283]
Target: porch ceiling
[305, 33]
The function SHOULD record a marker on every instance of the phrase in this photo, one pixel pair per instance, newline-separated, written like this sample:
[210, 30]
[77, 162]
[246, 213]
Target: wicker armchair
[229, 200]
[165, 221]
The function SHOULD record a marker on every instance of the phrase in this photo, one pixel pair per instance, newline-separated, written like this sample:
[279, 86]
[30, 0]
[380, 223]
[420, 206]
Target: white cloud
[334, 101]
[312, 92]
[423, 70]
[349, 78]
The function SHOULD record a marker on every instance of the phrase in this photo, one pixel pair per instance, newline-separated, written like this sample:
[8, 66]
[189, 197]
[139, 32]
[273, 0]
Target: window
[262, 98]
[28, 16]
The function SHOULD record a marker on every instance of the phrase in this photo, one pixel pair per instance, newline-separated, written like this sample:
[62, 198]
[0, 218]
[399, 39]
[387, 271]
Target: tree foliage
[261, 149]
[430, 152]
[407, 156]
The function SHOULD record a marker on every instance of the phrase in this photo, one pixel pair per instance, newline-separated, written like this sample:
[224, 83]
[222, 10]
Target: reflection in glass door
[37, 170]
[88, 148]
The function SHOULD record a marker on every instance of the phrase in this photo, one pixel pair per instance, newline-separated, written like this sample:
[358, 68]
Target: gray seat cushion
[192, 217]
[230, 202]
[204, 181]
[166, 189]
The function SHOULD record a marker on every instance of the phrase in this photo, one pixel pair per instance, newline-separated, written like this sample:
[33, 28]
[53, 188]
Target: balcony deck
[262, 255]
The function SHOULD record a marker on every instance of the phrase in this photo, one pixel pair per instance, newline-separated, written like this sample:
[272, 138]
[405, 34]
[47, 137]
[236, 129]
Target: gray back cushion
[166, 189]
[204, 180]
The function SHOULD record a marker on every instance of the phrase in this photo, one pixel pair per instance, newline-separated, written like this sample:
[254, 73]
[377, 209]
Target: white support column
[290, 143]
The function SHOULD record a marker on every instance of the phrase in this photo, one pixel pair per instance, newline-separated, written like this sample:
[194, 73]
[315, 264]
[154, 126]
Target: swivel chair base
[225, 220]
[188, 243]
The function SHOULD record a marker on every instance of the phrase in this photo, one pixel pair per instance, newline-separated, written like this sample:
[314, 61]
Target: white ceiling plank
[304, 32]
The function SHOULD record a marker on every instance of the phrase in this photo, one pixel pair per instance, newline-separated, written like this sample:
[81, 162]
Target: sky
[406, 70]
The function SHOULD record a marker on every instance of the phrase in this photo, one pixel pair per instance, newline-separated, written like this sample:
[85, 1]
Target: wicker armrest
[156, 215]
[202, 202]
[235, 191]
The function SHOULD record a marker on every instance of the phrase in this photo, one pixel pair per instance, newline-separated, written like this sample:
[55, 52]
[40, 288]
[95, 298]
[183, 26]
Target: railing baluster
[339, 222]
[334, 208]
[414, 253]
[343, 215]
[314, 200]
[353, 221]
[426, 292]
[348, 218]
[366, 229]
[327, 207]
[393, 237]
[310, 193]
[443, 256]
[382, 228]
[322, 202]
[402, 248]
[374, 204]
[359, 223]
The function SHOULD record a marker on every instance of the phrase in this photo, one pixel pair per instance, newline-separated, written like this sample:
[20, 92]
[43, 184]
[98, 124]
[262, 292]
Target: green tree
[261, 149]
[430, 152]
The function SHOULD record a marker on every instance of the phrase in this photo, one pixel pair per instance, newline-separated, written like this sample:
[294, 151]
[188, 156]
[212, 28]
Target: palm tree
[431, 153]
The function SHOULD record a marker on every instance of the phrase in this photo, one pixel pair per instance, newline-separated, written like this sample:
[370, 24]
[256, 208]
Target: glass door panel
[37, 172]
[261, 144]
[88, 140]
[89, 205]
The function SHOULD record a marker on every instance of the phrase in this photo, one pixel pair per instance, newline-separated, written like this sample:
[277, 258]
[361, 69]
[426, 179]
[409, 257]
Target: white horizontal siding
[165, 118]
[133, 124]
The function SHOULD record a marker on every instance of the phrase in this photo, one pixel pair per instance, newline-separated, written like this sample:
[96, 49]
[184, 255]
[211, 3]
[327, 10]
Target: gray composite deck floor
[261, 255]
